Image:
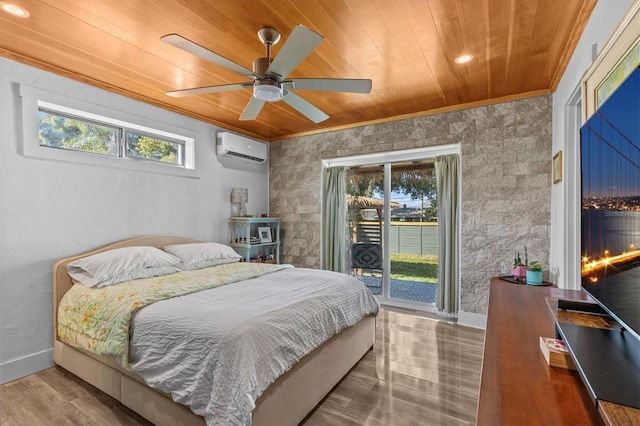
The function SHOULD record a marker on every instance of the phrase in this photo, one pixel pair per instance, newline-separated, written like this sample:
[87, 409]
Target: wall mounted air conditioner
[233, 146]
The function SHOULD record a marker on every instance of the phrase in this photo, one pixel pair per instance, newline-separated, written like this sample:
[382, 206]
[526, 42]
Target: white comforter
[217, 350]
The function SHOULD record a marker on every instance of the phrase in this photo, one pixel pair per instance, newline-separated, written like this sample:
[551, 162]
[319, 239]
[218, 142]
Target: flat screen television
[610, 214]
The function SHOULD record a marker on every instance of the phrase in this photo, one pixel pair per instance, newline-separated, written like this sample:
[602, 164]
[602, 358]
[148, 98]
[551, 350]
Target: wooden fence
[406, 237]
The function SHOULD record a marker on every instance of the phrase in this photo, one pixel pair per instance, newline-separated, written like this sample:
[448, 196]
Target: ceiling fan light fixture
[268, 91]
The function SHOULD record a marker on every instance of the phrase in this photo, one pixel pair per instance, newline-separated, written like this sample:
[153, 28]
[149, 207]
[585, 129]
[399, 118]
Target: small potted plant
[534, 273]
[519, 269]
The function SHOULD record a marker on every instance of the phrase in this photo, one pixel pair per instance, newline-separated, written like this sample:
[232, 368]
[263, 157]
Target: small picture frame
[557, 167]
[264, 232]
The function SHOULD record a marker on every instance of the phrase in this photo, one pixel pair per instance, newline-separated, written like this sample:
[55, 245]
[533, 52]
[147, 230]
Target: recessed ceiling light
[14, 9]
[463, 59]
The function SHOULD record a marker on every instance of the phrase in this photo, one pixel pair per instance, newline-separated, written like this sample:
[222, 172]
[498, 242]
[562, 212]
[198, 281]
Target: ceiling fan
[269, 75]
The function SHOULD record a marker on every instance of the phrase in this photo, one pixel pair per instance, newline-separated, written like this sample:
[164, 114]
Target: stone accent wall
[506, 184]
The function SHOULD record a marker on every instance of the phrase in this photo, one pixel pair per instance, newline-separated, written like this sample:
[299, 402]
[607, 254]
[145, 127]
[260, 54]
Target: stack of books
[556, 353]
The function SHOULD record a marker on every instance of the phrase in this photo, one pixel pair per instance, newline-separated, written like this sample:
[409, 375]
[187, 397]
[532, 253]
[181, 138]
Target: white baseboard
[17, 368]
[472, 320]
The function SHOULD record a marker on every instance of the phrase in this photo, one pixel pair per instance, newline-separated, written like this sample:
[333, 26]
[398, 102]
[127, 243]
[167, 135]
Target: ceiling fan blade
[304, 107]
[252, 109]
[350, 85]
[298, 46]
[201, 52]
[208, 89]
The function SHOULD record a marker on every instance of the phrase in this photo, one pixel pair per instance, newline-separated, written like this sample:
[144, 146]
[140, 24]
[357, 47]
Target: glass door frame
[387, 158]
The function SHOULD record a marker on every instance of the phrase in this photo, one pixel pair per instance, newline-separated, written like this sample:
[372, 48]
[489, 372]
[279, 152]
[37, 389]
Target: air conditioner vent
[246, 157]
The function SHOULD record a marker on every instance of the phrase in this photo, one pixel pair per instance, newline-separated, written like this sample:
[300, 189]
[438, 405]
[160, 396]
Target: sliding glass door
[365, 207]
[413, 232]
[391, 237]
[392, 210]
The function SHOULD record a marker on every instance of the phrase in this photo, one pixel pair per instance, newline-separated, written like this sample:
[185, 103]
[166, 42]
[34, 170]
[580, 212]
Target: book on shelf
[556, 353]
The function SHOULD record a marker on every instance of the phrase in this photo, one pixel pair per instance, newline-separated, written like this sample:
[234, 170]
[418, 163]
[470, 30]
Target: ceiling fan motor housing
[266, 89]
[261, 65]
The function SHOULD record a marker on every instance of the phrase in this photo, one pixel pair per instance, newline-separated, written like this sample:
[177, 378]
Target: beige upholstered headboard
[62, 281]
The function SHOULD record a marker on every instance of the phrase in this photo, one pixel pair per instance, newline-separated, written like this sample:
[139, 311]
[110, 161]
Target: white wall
[51, 209]
[565, 220]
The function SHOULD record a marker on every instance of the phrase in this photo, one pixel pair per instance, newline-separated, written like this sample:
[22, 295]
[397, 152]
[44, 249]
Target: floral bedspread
[98, 319]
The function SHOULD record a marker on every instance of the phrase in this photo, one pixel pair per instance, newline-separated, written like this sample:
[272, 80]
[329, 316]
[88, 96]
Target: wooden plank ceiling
[406, 47]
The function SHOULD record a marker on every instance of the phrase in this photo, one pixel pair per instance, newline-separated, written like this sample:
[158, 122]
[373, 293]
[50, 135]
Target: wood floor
[421, 371]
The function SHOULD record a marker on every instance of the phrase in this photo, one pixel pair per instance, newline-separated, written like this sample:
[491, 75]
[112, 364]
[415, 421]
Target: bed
[288, 400]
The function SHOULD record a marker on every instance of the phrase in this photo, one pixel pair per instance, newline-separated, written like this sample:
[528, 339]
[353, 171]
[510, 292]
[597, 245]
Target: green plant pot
[534, 277]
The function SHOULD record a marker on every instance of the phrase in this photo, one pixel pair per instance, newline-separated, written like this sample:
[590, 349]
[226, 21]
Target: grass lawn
[414, 267]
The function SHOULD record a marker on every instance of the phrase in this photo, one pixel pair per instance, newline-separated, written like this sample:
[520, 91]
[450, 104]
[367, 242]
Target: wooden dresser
[518, 387]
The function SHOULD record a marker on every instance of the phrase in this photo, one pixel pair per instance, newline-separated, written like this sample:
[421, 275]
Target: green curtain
[447, 175]
[334, 220]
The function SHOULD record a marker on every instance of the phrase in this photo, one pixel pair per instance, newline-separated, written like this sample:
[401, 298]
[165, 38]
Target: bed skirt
[286, 402]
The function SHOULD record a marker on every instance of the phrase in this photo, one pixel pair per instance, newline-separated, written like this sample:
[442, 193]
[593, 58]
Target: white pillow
[123, 264]
[202, 255]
